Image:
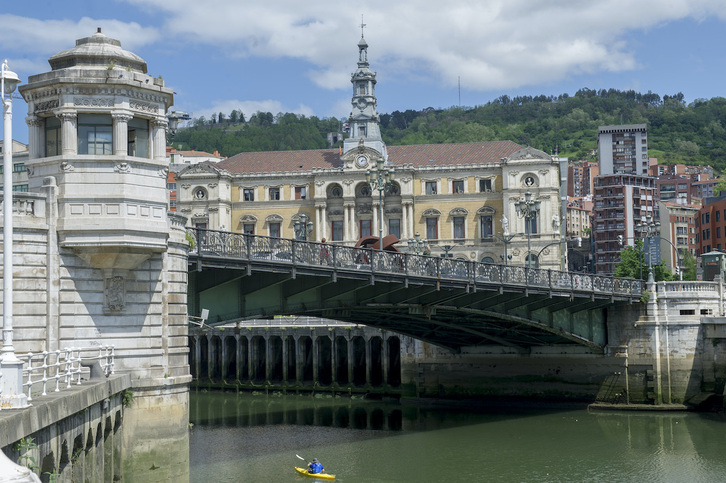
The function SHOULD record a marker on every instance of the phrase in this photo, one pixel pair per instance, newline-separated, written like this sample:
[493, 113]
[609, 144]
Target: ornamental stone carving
[46, 105]
[122, 168]
[142, 106]
[66, 166]
[115, 293]
[93, 102]
[431, 212]
[459, 212]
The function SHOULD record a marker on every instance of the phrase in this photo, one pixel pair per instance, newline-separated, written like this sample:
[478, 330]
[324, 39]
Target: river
[257, 438]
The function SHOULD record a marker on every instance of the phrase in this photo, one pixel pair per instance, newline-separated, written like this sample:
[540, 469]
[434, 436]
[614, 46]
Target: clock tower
[365, 145]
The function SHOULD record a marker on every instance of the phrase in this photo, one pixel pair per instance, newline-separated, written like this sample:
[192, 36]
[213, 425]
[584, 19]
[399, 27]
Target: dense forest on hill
[677, 132]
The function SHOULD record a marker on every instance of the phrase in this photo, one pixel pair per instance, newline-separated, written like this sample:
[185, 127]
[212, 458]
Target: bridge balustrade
[283, 251]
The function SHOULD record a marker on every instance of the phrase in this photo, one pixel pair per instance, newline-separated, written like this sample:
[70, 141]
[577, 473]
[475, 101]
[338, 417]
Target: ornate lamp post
[418, 244]
[174, 119]
[303, 228]
[505, 238]
[649, 229]
[527, 208]
[11, 387]
[380, 178]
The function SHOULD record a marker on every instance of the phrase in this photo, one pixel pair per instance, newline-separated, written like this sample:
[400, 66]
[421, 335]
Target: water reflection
[259, 437]
[244, 410]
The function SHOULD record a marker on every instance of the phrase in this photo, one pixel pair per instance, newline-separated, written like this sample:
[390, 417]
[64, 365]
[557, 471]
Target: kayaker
[315, 467]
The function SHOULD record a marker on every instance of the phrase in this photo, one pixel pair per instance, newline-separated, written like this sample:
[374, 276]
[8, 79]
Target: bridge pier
[340, 359]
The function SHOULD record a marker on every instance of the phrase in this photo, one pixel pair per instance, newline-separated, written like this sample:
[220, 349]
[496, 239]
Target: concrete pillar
[223, 358]
[334, 359]
[346, 223]
[238, 357]
[268, 356]
[385, 362]
[316, 358]
[69, 133]
[298, 364]
[404, 222]
[250, 359]
[349, 340]
[284, 360]
[368, 360]
[197, 355]
[210, 358]
[121, 134]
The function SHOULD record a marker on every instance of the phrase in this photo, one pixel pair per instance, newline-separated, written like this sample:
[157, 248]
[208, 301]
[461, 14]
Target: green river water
[255, 438]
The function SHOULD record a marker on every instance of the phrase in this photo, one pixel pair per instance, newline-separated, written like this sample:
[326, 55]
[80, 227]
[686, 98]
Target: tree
[689, 266]
[632, 265]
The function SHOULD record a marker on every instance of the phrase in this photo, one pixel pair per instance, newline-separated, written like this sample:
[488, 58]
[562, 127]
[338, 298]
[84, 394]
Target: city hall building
[460, 198]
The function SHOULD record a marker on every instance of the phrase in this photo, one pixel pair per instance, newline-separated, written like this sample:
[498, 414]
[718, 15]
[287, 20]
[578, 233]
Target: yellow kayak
[322, 476]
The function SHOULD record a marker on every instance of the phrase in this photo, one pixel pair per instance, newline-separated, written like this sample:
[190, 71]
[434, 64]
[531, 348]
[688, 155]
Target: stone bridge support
[338, 358]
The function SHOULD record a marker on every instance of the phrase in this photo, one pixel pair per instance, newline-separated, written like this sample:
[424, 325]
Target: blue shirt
[315, 468]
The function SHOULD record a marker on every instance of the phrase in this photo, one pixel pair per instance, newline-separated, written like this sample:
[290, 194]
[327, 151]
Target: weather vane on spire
[362, 25]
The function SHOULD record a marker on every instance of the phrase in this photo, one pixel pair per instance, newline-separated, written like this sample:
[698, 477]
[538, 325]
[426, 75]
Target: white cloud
[489, 45]
[37, 37]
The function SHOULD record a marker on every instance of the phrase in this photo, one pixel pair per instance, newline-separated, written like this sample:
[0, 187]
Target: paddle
[300, 457]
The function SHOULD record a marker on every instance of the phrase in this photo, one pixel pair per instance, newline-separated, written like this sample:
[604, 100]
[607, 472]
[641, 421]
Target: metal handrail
[63, 367]
[298, 253]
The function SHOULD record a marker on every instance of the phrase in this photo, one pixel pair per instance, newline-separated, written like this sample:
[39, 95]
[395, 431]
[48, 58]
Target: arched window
[532, 261]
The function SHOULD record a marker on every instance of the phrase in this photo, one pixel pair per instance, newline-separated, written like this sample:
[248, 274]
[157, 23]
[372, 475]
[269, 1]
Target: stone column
[121, 134]
[69, 133]
[349, 340]
[315, 359]
[268, 356]
[318, 219]
[385, 359]
[298, 357]
[238, 357]
[36, 137]
[333, 359]
[222, 358]
[284, 359]
[404, 222]
[346, 222]
[158, 139]
[250, 359]
[210, 359]
[368, 360]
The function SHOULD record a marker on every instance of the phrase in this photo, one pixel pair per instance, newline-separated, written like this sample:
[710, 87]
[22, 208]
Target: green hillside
[677, 133]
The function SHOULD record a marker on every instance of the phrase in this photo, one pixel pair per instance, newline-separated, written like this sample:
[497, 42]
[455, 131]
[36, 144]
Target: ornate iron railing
[248, 247]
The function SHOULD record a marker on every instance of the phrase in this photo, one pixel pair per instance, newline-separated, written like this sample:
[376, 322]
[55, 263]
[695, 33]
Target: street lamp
[11, 367]
[174, 119]
[505, 238]
[303, 228]
[380, 178]
[527, 208]
[418, 244]
[649, 229]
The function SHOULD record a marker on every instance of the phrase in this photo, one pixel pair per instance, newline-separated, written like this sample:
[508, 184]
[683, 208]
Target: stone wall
[73, 435]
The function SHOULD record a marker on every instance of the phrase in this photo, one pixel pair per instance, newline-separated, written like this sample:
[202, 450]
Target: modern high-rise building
[621, 203]
[623, 149]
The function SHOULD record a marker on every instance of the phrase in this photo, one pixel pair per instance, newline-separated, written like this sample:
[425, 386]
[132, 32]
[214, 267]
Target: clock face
[361, 161]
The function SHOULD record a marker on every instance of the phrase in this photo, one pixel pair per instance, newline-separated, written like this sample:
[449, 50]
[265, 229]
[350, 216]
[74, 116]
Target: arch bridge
[450, 303]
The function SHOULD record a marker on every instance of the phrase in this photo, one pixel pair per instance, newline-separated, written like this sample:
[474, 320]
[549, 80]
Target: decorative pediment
[275, 218]
[200, 168]
[248, 219]
[459, 212]
[486, 210]
[529, 153]
[431, 212]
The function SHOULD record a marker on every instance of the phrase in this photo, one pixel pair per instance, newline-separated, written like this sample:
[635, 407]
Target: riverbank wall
[76, 434]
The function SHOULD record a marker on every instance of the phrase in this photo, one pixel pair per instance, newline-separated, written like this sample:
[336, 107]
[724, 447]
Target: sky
[292, 56]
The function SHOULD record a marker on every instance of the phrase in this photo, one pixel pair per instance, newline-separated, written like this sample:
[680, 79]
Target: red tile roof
[419, 155]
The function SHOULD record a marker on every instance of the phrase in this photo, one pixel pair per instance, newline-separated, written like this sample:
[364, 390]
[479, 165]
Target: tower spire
[364, 128]
[362, 25]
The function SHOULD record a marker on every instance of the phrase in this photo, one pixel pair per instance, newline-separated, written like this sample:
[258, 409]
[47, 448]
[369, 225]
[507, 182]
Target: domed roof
[97, 51]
